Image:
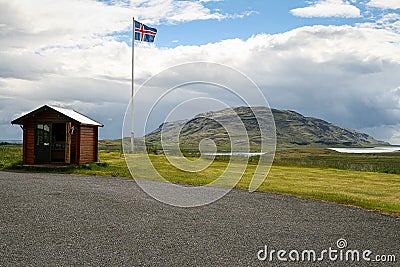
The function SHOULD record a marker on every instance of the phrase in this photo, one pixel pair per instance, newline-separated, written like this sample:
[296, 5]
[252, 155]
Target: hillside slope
[292, 129]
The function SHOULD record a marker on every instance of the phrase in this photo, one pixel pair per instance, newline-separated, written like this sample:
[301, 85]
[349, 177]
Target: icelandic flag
[144, 33]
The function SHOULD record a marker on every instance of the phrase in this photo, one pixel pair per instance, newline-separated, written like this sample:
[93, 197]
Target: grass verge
[371, 190]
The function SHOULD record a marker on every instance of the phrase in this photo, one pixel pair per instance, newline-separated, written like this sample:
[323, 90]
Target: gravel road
[58, 220]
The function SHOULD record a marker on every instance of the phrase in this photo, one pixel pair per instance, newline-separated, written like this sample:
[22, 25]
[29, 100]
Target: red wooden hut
[54, 135]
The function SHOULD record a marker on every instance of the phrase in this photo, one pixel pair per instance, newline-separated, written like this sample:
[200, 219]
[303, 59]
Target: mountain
[292, 130]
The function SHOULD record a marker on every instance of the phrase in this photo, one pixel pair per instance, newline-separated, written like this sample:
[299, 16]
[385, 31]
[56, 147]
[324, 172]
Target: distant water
[367, 150]
[251, 154]
[11, 141]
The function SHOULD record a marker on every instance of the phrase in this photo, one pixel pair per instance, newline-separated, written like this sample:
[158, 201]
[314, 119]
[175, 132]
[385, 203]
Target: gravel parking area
[54, 219]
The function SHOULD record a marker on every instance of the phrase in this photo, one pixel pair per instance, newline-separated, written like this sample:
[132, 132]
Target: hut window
[42, 134]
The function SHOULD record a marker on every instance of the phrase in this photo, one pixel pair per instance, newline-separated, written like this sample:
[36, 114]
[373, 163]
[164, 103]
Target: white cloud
[390, 21]
[63, 54]
[39, 24]
[173, 11]
[65, 51]
[328, 8]
[385, 4]
[343, 74]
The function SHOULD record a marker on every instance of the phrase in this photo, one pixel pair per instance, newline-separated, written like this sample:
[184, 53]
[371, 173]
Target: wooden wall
[29, 143]
[88, 147]
[84, 142]
[75, 146]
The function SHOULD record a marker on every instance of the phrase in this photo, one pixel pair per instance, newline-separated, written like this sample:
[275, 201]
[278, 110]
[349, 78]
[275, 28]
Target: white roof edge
[76, 116]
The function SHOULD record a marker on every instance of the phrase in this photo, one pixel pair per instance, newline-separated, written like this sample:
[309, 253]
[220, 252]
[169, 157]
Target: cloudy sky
[333, 59]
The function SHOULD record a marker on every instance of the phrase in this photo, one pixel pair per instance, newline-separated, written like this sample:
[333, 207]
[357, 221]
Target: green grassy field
[309, 173]
[10, 156]
[319, 157]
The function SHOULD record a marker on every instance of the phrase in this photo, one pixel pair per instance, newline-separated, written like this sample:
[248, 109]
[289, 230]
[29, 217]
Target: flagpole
[133, 92]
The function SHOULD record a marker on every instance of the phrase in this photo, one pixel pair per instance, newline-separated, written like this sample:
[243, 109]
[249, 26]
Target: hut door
[42, 143]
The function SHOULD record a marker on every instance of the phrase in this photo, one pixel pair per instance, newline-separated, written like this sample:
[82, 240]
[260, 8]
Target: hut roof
[70, 113]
